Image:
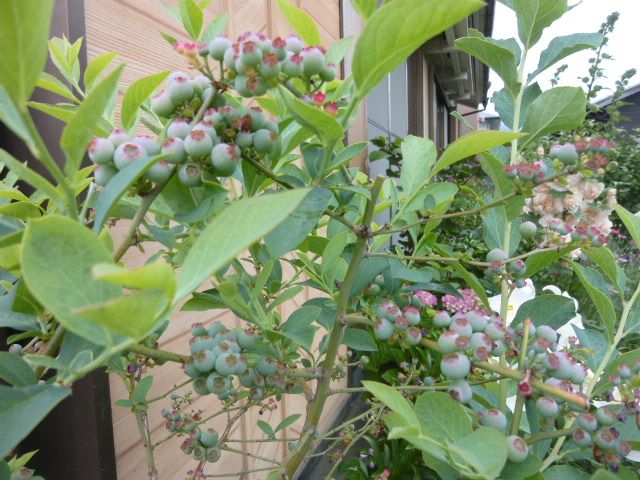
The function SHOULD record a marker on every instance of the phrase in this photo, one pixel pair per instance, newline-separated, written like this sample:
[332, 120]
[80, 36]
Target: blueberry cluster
[535, 173]
[221, 356]
[400, 320]
[200, 444]
[184, 96]
[514, 270]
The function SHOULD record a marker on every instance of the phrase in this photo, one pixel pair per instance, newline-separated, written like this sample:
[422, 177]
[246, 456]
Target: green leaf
[133, 316]
[321, 123]
[631, 221]
[505, 106]
[418, 156]
[142, 389]
[539, 261]
[118, 186]
[290, 233]
[192, 17]
[290, 420]
[552, 310]
[603, 474]
[392, 398]
[564, 472]
[78, 132]
[594, 341]
[57, 257]
[562, 47]
[599, 298]
[359, 340]
[339, 49]
[561, 108]
[536, 15]
[516, 471]
[471, 144]
[345, 155]
[473, 450]
[18, 321]
[215, 28]
[365, 7]
[24, 31]
[135, 96]
[31, 177]
[21, 409]
[301, 22]
[157, 275]
[606, 260]
[52, 84]
[233, 231]
[11, 117]
[15, 371]
[298, 326]
[441, 417]
[266, 428]
[396, 30]
[496, 56]
[96, 67]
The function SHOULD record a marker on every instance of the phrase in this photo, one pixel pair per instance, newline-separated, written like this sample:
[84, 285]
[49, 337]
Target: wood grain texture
[131, 27]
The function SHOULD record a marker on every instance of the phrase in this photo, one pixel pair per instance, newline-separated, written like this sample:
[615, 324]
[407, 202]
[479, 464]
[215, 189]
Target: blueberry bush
[238, 170]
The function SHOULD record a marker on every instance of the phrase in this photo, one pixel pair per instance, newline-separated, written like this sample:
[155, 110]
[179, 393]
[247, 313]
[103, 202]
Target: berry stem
[429, 258]
[309, 439]
[158, 354]
[522, 358]
[52, 347]
[170, 391]
[249, 454]
[537, 437]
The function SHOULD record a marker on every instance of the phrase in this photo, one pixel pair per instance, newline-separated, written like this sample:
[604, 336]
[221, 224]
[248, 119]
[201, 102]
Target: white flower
[517, 298]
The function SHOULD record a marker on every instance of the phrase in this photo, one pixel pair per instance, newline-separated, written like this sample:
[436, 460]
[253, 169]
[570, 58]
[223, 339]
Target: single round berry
[329, 72]
[293, 44]
[267, 366]
[247, 339]
[209, 128]
[383, 329]
[209, 437]
[412, 314]
[218, 47]
[499, 348]
[160, 172]
[180, 89]
[441, 319]
[190, 174]
[225, 159]
[579, 374]
[495, 330]
[217, 384]
[477, 320]
[264, 140]
[588, 421]
[250, 56]
[248, 378]
[582, 438]
[605, 438]
[528, 229]
[447, 341]
[198, 144]
[624, 370]
[272, 127]
[461, 391]
[517, 268]
[547, 407]
[198, 330]
[200, 386]
[118, 137]
[103, 173]
[548, 333]
[313, 61]
[213, 454]
[462, 326]
[198, 453]
[101, 151]
[179, 128]
[149, 143]
[623, 447]
[455, 366]
[127, 153]
[567, 154]
[606, 416]
[493, 418]
[174, 147]
[481, 340]
[292, 65]
[270, 67]
[496, 255]
[413, 336]
[256, 394]
[15, 349]
[162, 105]
[244, 139]
[204, 361]
[517, 449]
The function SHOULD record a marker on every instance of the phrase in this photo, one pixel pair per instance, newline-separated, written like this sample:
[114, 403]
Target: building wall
[132, 27]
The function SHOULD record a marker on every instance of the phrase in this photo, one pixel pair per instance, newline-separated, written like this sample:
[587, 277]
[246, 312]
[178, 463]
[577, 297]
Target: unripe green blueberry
[191, 370]
[244, 140]
[292, 65]
[588, 421]
[208, 127]
[218, 47]
[181, 89]
[624, 370]
[460, 390]
[480, 339]
[413, 336]
[383, 329]
[198, 144]
[200, 386]
[496, 255]
[547, 332]
[15, 349]
[567, 154]
[118, 137]
[270, 66]
[455, 366]
[240, 85]
[149, 143]
[225, 159]
[216, 383]
[441, 319]
[174, 147]
[256, 394]
[477, 320]
[517, 449]
[247, 339]
[190, 174]
[202, 81]
[227, 363]
[517, 268]
[312, 61]
[267, 366]
[198, 330]
[493, 418]
[547, 407]
[402, 323]
[520, 283]
[329, 72]
[248, 378]
[230, 58]
[257, 118]
[272, 127]
[623, 447]
[264, 140]
[101, 151]
[381, 308]
[213, 454]
[204, 361]
[103, 173]
[447, 341]
[215, 329]
[250, 56]
[528, 229]
[209, 437]
[605, 438]
[198, 453]
[179, 128]
[495, 330]
[582, 438]
[160, 171]
[462, 326]
[499, 348]
[127, 153]
[293, 44]
[162, 105]
[393, 313]
[579, 374]
[606, 416]
[403, 299]
[257, 86]
[241, 365]
[412, 314]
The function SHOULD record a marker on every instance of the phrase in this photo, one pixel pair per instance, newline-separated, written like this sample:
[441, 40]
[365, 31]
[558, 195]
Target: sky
[586, 17]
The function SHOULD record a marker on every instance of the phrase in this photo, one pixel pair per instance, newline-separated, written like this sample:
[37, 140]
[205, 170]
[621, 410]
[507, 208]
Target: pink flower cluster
[427, 298]
[467, 303]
